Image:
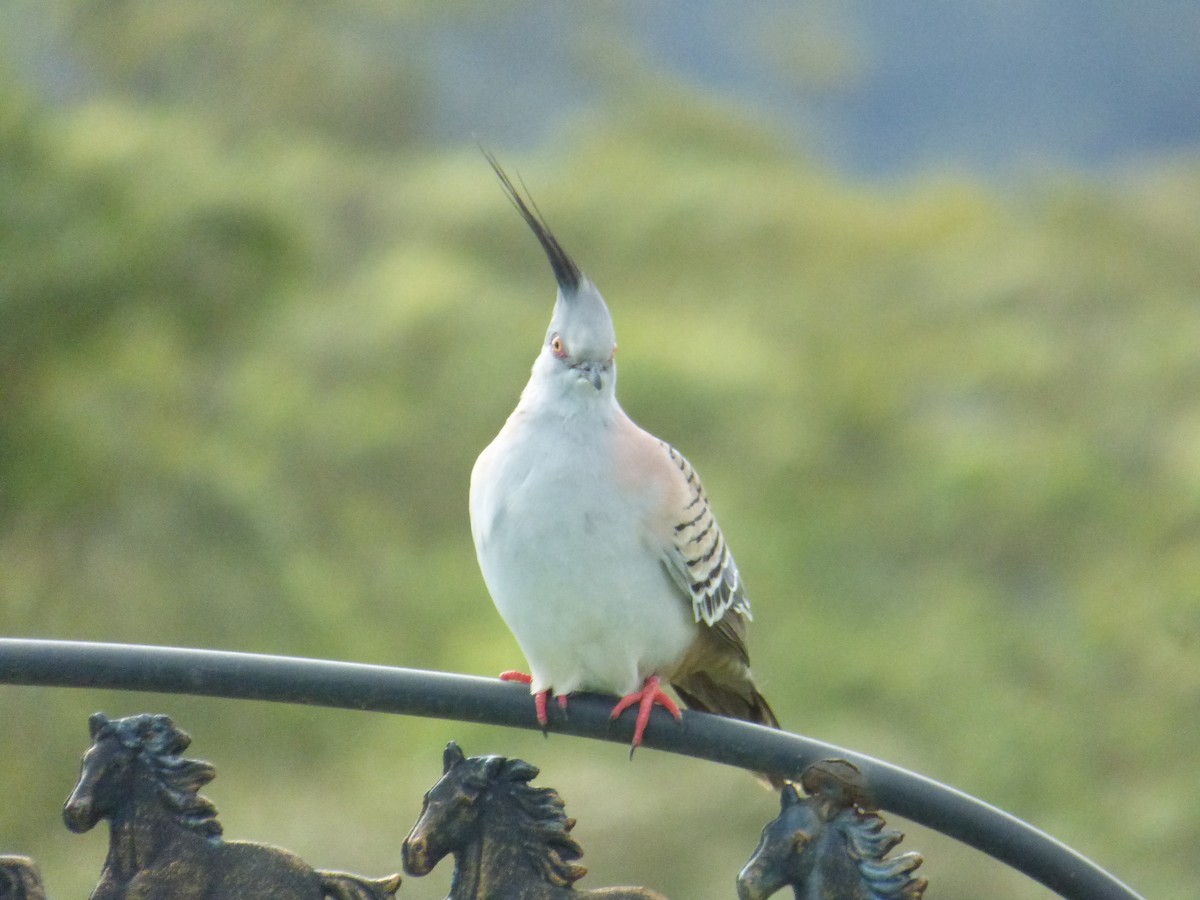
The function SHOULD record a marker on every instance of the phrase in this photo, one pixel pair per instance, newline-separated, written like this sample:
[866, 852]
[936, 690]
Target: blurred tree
[342, 72]
[92, 241]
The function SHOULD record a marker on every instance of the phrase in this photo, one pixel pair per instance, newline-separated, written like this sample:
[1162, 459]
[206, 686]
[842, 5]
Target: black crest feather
[566, 273]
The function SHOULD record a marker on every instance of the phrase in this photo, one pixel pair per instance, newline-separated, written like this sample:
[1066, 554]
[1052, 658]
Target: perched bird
[596, 539]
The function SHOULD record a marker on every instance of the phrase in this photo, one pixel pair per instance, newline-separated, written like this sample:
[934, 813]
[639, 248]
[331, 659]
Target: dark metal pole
[413, 692]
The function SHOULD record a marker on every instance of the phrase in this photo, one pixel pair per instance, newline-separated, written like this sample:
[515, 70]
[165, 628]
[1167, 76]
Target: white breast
[567, 555]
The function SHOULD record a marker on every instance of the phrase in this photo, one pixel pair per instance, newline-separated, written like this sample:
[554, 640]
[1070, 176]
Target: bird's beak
[593, 372]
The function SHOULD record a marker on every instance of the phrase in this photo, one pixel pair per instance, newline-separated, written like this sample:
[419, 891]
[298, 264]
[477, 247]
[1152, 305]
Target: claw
[645, 700]
[539, 697]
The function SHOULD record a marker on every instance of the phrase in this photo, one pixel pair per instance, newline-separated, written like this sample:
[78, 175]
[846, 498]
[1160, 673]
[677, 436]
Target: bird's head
[580, 342]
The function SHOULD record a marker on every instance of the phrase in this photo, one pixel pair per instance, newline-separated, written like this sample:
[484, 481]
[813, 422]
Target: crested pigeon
[596, 540]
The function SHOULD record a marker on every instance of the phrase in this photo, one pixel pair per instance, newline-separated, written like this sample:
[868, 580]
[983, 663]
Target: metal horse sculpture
[509, 840]
[828, 845]
[20, 879]
[165, 841]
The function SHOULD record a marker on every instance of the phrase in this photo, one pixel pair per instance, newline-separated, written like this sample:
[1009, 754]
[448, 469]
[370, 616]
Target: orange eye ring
[558, 348]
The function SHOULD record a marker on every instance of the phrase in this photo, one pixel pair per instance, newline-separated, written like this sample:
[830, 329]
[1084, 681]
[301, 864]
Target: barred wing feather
[699, 560]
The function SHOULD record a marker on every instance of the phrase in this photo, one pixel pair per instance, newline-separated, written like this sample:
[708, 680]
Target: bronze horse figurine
[20, 879]
[510, 840]
[165, 841]
[829, 844]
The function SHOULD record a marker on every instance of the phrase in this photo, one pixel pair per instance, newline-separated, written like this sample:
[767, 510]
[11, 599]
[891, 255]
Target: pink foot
[539, 698]
[645, 700]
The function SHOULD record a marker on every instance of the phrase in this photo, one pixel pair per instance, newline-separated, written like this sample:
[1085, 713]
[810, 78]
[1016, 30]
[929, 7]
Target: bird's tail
[700, 691]
[740, 700]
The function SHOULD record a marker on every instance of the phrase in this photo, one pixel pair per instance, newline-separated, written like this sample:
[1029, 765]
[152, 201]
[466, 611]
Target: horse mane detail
[541, 815]
[160, 743]
[869, 842]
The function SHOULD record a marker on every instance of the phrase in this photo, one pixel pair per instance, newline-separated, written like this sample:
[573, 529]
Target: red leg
[539, 698]
[645, 700]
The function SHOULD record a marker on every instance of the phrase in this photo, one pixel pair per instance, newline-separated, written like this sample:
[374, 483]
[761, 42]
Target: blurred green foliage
[252, 340]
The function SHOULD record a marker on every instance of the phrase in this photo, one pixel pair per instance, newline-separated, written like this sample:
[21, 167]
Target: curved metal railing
[247, 676]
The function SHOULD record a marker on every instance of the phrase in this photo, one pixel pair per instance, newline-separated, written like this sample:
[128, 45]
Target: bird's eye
[558, 348]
